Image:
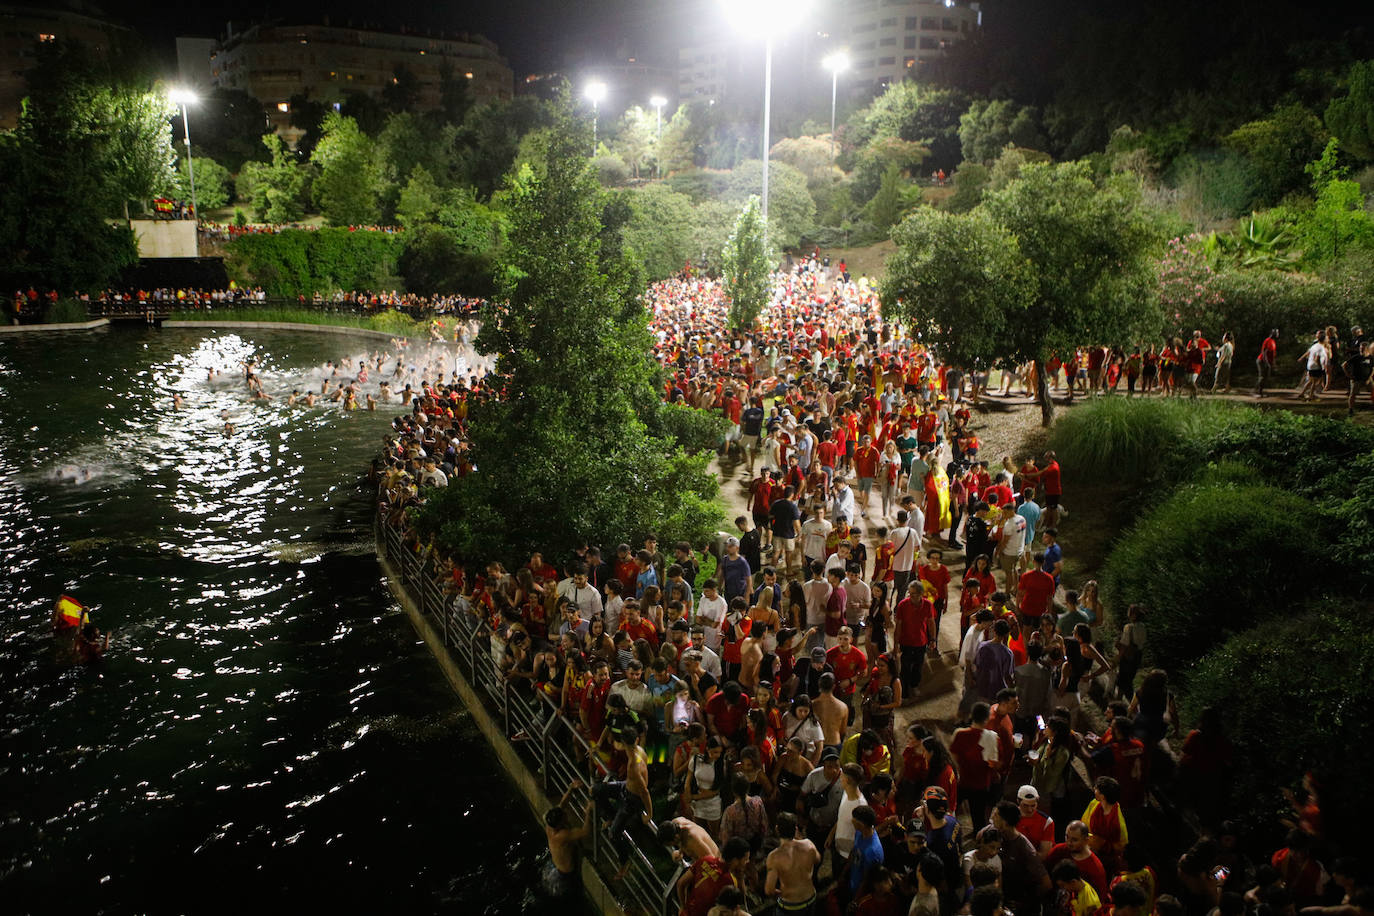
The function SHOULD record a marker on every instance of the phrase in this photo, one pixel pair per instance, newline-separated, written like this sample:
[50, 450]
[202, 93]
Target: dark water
[266, 730]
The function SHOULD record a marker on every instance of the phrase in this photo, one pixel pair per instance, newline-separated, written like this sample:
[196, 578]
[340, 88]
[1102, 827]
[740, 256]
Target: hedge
[1213, 559]
[300, 262]
[1294, 695]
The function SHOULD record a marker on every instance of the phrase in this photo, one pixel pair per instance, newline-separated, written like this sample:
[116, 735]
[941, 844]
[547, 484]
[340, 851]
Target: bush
[66, 311]
[1294, 695]
[300, 262]
[693, 429]
[1115, 439]
[434, 261]
[1211, 560]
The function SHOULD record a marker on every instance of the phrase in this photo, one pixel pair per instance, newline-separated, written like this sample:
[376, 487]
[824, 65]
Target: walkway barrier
[98, 308]
[554, 750]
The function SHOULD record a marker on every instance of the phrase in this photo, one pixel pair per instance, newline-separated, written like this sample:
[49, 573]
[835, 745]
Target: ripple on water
[257, 664]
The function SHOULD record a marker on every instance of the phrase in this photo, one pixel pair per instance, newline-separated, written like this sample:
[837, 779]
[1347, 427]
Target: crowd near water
[760, 706]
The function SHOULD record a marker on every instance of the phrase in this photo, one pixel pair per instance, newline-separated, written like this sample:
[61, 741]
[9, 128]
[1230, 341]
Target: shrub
[1111, 439]
[693, 429]
[1294, 695]
[300, 262]
[66, 311]
[1211, 560]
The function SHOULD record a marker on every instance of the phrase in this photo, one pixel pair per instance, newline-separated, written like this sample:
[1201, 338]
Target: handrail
[557, 753]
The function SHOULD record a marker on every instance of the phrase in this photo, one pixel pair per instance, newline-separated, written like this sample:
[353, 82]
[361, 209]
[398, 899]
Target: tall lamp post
[766, 18]
[596, 91]
[835, 62]
[184, 97]
[658, 102]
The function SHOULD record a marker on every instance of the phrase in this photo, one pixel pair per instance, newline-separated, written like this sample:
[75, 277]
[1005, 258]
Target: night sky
[534, 34]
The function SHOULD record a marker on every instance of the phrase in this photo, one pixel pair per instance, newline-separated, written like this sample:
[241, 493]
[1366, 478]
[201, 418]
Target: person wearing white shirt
[582, 594]
[982, 624]
[817, 591]
[842, 508]
[1316, 358]
[907, 541]
[711, 614]
[814, 531]
[860, 598]
[1011, 542]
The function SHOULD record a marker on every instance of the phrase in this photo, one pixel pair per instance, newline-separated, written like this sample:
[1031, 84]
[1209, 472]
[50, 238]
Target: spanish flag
[71, 613]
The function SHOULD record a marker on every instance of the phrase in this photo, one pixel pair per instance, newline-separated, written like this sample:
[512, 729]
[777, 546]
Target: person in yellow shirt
[1082, 899]
[866, 749]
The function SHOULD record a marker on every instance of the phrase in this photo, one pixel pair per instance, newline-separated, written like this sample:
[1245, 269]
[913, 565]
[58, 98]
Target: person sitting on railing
[629, 796]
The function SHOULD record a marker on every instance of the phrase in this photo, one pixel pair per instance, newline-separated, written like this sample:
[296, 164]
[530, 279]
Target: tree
[634, 138]
[420, 199]
[958, 281]
[887, 205]
[987, 127]
[276, 188]
[139, 157]
[57, 195]
[810, 156]
[791, 211]
[346, 190]
[214, 185]
[660, 229]
[435, 261]
[455, 99]
[680, 147]
[229, 126]
[571, 346]
[1278, 147]
[1351, 117]
[1090, 250]
[403, 92]
[747, 266]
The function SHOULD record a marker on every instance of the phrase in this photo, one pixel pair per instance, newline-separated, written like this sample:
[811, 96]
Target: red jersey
[707, 877]
[1038, 828]
[729, 718]
[938, 579]
[882, 562]
[848, 666]
[825, 454]
[1050, 478]
[913, 619]
[1035, 588]
[866, 461]
[967, 750]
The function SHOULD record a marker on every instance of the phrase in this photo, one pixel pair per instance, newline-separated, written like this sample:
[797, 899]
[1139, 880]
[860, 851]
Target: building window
[46, 37]
[865, 64]
[283, 107]
[948, 25]
[889, 22]
[468, 74]
[864, 46]
[930, 24]
[911, 23]
[909, 62]
[886, 61]
[909, 43]
[887, 42]
[929, 44]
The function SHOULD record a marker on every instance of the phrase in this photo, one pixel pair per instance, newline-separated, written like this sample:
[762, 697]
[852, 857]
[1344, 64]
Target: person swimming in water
[177, 402]
[90, 644]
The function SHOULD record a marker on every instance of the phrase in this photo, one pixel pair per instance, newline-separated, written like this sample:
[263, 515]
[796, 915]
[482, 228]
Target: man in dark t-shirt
[785, 522]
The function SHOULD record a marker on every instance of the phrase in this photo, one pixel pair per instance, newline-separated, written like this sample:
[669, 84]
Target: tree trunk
[1042, 394]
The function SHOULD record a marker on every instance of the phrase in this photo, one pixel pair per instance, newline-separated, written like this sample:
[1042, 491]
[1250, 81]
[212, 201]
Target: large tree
[957, 281]
[565, 456]
[346, 191]
[1089, 245]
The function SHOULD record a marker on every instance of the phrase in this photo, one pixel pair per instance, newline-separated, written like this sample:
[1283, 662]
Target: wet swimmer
[295, 396]
[177, 402]
[560, 874]
[91, 644]
[72, 618]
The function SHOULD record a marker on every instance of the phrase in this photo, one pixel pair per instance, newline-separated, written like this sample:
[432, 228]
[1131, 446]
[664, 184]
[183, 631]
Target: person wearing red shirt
[592, 709]
[1034, 590]
[1075, 849]
[848, 662]
[701, 884]
[1264, 363]
[1124, 759]
[1035, 825]
[726, 712]
[912, 619]
[882, 558]
[937, 574]
[866, 465]
[825, 453]
[625, 569]
[1049, 477]
[974, 749]
[1001, 724]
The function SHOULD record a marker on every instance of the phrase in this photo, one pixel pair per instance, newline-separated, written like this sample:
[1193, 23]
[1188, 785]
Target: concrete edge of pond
[69, 326]
[280, 326]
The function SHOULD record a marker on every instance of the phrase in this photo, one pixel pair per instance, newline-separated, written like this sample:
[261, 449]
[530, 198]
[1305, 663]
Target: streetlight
[184, 97]
[596, 91]
[658, 102]
[835, 62]
[765, 17]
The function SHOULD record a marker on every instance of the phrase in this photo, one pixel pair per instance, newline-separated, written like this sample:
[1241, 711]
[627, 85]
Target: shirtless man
[560, 876]
[177, 402]
[750, 658]
[831, 712]
[790, 868]
[689, 840]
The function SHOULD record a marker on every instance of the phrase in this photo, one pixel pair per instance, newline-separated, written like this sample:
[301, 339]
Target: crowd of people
[227, 232]
[752, 705]
[372, 301]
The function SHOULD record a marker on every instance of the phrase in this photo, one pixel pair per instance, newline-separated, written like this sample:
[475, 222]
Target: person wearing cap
[820, 797]
[944, 835]
[1024, 878]
[1035, 825]
[808, 676]
[735, 571]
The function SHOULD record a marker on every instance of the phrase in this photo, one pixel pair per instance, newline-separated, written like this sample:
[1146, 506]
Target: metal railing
[99, 308]
[556, 752]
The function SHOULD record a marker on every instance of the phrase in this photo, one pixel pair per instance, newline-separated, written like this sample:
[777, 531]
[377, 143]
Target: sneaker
[521, 735]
